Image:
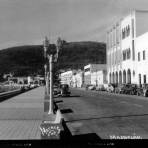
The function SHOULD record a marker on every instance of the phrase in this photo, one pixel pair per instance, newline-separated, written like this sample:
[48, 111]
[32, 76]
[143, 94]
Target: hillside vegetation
[27, 60]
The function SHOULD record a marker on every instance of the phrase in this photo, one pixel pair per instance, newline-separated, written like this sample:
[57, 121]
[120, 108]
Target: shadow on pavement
[58, 101]
[89, 137]
[64, 111]
[74, 96]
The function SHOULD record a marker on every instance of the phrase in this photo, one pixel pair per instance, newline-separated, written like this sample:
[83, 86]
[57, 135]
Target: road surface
[89, 114]
[105, 115]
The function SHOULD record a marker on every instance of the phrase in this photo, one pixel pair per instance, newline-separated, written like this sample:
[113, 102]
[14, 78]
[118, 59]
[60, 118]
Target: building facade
[67, 77]
[91, 73]
[78, 79]
[102, 77]
[122, 39]
[142, 58]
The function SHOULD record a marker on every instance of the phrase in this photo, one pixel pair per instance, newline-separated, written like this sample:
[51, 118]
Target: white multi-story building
[124, 40]
[99, 77]
[74, 78]
[142, 58]
[78, 79]
[67, 77]
[102, 77]
[91, 73]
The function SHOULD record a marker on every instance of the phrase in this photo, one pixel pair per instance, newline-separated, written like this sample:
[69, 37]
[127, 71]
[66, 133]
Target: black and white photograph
[73, 72]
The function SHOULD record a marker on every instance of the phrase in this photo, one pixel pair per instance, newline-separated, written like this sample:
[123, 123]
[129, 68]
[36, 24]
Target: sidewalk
[21, 116]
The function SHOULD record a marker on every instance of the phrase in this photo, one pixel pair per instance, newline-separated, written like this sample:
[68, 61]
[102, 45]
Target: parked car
[143, 91]
[100, 87]
[87, 86]
[130, 89]
[120, 89]
[56, 90]
[111, 87]
[64, 88]
[32, 85]
[91, 87]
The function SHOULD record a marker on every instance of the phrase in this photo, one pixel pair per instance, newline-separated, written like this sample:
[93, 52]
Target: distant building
[25, 80]
[99, 77]
[78, 79]
[18, 80]
[7, 76]
[90, 73]
[66, 77]
[127, 49]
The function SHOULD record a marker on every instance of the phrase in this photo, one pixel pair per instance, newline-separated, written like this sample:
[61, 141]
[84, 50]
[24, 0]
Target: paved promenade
[21, 116]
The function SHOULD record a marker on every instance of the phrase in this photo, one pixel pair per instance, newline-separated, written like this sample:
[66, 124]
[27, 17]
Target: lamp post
[51, 126]
[50, 57]
[45, 67]
[51, 84]
[46, 45]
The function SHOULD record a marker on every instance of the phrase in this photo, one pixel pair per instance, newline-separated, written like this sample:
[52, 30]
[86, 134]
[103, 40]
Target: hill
[78, 54]
[26, 60]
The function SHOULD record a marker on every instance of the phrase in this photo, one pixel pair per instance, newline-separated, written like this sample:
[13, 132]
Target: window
[128, 53]
[133, 49]
[125, 32]
[143, 54]
[140, 79]
[122, 34]
[124, 55]
[128, 30]
[87, 69]
[138, 56]
[133, 28]
[144, 79]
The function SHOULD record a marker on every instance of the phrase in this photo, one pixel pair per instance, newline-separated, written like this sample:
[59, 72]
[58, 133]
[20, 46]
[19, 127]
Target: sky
[27, 22]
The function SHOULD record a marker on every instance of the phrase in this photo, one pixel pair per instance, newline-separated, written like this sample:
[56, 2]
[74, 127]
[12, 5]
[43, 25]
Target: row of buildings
[126, 54]
[92, 74]
[26, 80]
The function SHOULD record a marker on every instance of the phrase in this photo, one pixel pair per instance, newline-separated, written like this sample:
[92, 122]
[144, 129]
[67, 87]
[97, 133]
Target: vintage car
[111, 88]
[127, 89]
[64, 88]
[56, 90]
[92, 87]
[142, 90]
[120, 89]
[100, 87]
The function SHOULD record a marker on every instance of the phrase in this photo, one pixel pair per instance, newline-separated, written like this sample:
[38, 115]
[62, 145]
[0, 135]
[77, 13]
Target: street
[105, 115]
[87, 114]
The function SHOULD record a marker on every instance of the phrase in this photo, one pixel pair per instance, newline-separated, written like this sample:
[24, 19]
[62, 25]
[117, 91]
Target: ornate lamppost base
[51, 126]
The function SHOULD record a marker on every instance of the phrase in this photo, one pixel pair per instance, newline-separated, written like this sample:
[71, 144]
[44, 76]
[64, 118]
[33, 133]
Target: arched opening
[116, 77]
[139, 79]
[110, 78]
[120, 77]
[124, 76]
[128, 76]
[113, 78]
